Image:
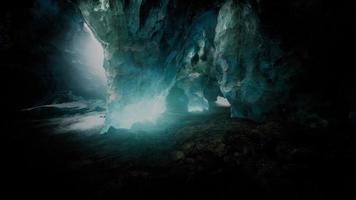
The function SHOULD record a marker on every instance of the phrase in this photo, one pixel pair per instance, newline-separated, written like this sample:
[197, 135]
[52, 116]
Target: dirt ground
[200, 156]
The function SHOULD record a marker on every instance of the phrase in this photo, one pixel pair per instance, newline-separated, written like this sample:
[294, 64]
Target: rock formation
[202, 48]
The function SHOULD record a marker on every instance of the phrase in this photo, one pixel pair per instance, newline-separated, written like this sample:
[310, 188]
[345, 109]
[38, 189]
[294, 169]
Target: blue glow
[198, 105]
[222, 102]
[195, 109]
[144, 111]
[95, 55]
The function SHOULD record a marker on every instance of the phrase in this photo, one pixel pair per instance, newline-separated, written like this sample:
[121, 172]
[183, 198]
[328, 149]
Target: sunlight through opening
[95, 55]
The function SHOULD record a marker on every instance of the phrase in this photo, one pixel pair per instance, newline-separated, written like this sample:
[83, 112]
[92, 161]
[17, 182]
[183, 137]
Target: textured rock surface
[209, 156]
[151, 46]
[312, 33]
[251, 74]
[131, 52]
[218, 158]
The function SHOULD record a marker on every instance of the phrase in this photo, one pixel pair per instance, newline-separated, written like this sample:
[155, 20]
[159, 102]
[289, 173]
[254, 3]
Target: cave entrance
[94, 54]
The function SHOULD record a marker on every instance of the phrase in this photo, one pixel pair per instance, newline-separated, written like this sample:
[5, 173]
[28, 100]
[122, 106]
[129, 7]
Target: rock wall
[188, 48]
[202, 48]
[250, 69]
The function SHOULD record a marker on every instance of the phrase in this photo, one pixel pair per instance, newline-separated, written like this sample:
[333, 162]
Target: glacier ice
[204, 49]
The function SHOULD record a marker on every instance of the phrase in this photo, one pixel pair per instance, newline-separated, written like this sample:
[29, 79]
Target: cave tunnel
[178, 99]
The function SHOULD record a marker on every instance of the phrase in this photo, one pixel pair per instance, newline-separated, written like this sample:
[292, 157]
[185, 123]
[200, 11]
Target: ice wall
[203, 48]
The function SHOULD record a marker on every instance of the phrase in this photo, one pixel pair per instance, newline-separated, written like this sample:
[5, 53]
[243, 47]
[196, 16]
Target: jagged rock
[249, 72]
[152, 46]
[132, 54]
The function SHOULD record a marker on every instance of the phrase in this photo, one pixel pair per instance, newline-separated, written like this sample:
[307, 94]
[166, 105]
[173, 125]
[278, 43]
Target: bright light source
[95, 55]
[222, 102]
[195, 109]
[88, 122]
[198, 105]
[144, 111]
[79, 122]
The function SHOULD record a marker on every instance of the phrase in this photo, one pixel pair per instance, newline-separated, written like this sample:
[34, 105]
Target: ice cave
[178, 99]
[148, 52]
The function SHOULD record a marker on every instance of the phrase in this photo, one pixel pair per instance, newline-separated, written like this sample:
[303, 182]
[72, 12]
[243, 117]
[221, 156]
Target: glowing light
[69, 105]
[95, 55]
[222, 102]
[80, 122]
[198, 105]
[195, 109]
[144, 111]
[87, 123]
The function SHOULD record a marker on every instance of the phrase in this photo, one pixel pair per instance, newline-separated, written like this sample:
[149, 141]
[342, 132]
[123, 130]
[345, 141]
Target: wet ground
[57, 152]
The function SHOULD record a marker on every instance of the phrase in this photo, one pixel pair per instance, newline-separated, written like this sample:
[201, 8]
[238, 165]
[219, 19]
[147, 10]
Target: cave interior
[178, 99]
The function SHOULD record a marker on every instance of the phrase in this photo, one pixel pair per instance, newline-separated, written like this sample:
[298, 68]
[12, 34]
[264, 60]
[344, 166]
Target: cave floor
[200, 156]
